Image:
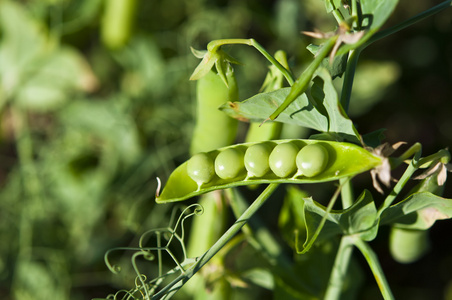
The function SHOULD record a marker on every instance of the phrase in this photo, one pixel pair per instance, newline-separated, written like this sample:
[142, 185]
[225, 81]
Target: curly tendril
[152, 246]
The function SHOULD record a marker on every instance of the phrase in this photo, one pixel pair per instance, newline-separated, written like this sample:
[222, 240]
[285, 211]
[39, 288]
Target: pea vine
[336, 154]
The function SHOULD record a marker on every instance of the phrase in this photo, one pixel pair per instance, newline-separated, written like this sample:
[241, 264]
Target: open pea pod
[278, 161]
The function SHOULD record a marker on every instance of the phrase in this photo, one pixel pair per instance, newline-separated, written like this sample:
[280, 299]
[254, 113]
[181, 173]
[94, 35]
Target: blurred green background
[95, 103]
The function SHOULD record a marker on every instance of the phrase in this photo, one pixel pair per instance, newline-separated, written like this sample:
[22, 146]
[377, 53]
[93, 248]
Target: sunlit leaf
[320, 110]
[418, 211]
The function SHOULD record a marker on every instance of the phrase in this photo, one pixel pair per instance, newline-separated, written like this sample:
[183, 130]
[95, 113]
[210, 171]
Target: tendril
[161, 240]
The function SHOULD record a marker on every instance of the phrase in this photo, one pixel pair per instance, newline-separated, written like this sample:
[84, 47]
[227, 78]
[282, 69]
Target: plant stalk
[344, 252]
[412, 167]
[253, 43]
[174, 286]
[349, 76]
[375, 266]
[302, 83]
[339, 271]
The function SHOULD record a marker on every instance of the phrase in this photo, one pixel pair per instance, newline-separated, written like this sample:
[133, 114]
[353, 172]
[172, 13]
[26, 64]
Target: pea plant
[265, 166]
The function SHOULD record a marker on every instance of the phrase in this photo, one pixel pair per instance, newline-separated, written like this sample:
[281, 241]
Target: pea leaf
[326, 99]
[418, 211]
[257, 108]
[360, 218]
[374, 15]
[318, 109]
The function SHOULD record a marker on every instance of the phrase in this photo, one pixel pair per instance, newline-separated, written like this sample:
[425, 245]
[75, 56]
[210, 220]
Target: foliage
[95, 103]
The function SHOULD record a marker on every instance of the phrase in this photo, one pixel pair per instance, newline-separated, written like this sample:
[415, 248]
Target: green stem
[262, 240]
[442, 155]
[344, 253]
[406, 155]
[336, 13]
[328, 209]
[176, 284]
[302, 83]
[253, 43]
[349, 76]
[412, 167]
[347, 196]
[374, 265]
[338, 16]
[407, 23]
[355, 15]
[339, 271]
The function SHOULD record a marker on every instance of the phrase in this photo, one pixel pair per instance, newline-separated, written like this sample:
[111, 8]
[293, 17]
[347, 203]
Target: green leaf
[327, 99]
[313, 269]
[257, 108]
[418, 211]
[320, 111]
[374, 15]
[360, 218]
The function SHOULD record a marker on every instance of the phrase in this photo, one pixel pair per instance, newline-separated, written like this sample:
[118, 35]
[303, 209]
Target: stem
[349, 76]
[176, 284]
[336, 13]
[344, 253]
[442, 155]
[417, 147]
[347, 195]
[413, 166]
[263, 241]
[355, 15]
[338, 16]
[252, 42]
[301, 85]
[339, 271]
[321, 223]
[407, 23]
[375, 266]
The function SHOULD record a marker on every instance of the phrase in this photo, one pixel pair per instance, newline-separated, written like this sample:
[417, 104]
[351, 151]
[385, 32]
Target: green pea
[256, 159]
[282, 159]
[408, 245]
[312, 160]
[229, 163]
[200, 168]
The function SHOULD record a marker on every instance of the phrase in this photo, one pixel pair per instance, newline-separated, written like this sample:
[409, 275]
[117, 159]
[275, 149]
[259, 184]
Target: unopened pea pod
[408, 245]
[342, 160]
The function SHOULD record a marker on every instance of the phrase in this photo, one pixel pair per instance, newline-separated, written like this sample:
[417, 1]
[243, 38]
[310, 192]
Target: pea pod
[342, 160]
[214, 128]
[408, 245]
[117, 22]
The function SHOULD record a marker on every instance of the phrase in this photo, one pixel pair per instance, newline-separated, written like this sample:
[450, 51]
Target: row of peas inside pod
[283, 161]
